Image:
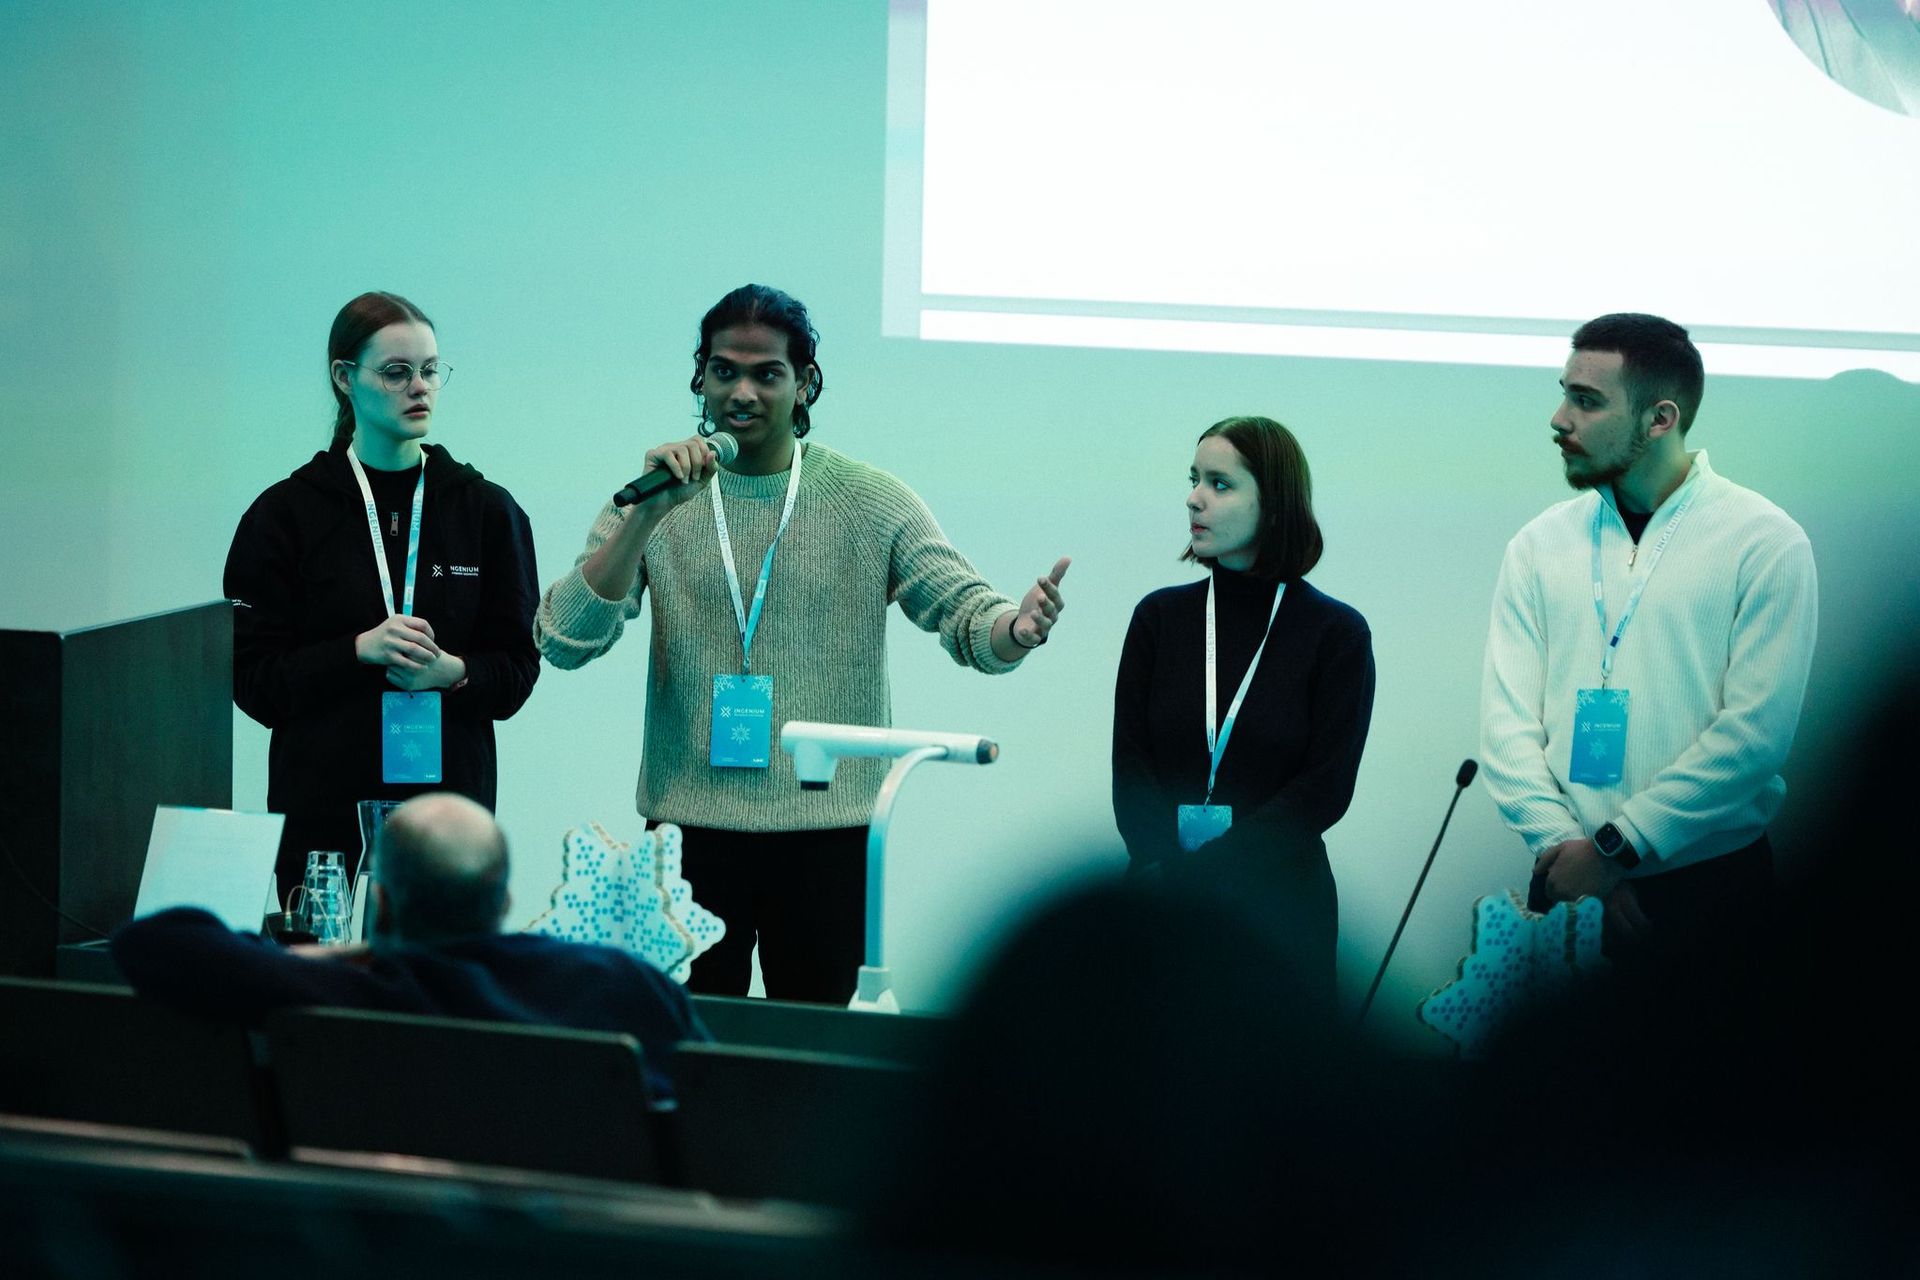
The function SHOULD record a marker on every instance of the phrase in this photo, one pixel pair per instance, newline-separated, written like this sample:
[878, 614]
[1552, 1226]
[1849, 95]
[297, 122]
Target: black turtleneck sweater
[1289, 767]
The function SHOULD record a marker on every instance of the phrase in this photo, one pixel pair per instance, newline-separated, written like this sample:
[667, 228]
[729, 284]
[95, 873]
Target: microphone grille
[1467, 769]
[724, 446]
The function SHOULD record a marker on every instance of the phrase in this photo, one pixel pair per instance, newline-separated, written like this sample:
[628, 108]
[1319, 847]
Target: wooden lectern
[97, 726]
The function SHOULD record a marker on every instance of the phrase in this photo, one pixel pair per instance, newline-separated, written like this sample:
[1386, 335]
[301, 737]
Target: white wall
[188, 193]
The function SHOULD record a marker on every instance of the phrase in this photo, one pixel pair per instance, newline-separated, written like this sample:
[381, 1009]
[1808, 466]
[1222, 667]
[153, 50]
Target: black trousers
[801, 895]
[1286, 879]
[1706, 917]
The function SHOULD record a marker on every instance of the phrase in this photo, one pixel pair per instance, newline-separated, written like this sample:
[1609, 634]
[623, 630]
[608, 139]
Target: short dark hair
[358, 321]
[1288, 543]
[763, 304]
[426, 899]
[1658, 361]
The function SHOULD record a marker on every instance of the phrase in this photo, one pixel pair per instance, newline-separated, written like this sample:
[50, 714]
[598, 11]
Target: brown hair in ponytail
[358, 321]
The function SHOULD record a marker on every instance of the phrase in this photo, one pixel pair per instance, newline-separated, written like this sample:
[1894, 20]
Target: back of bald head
[442, 865]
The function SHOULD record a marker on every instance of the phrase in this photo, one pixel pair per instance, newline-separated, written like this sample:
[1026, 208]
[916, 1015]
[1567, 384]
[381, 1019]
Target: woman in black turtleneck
[1286, 771]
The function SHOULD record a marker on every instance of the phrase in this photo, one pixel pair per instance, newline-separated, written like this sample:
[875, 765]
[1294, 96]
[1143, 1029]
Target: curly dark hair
[763, 304]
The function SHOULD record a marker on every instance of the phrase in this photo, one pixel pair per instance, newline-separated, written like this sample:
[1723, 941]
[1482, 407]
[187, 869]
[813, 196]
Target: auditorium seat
[786, 1124]
[81, 1135]
[72, 1051]
[488, 1093]
[86, 1208]
[912, 1039]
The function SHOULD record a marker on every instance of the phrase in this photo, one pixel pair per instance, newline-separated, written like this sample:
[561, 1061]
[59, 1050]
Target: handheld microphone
[1461, 781]
[724, 447]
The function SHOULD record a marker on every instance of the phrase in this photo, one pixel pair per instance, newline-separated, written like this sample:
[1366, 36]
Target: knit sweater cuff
[577, 612]
[980, 643]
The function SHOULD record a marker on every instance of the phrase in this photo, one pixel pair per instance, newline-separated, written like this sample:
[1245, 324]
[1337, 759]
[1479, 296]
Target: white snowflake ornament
[638, 901]
[1519, 957]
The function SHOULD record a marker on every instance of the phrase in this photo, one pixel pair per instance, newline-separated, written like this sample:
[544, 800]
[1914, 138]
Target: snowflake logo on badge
[1584, 698]
[761, 684]
[1596, 749]
[410, 750]
[741, 733]
[725, 684]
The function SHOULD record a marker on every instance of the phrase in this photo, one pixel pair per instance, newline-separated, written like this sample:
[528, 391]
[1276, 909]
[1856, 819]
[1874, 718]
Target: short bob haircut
[1288, 543]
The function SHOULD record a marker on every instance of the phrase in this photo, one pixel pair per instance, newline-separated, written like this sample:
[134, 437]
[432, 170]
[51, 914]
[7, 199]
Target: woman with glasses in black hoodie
[384, 598]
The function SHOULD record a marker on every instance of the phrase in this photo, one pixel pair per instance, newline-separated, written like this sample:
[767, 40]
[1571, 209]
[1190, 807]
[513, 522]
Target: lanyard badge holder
[740, 732]
[1196, 824]
[1598, 755]
[409, 722]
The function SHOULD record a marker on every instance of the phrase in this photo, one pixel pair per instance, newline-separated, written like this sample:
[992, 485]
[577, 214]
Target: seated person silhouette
[1148, 1075]
[438, 899]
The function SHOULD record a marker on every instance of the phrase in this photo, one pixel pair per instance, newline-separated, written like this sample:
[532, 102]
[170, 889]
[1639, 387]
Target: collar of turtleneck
[1234, 588]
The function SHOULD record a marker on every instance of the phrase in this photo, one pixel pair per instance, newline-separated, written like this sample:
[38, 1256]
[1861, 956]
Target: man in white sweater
[1640, 694]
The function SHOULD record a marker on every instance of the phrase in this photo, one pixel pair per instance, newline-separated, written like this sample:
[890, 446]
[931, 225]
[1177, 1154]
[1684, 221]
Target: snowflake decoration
[636, 900]
[1518, 958]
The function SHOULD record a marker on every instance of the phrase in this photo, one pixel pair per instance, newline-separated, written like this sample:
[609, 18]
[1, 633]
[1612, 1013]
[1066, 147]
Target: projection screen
[1395, 180]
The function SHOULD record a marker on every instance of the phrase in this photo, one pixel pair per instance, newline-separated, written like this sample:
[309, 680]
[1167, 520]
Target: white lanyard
[379, 544]
[1217, 740]
[1640, 585]
[750, 622]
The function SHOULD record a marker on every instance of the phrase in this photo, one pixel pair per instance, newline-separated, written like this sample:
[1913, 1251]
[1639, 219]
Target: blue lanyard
[1639, 586]
[379, 543]
[749, 623]
[1217, 742]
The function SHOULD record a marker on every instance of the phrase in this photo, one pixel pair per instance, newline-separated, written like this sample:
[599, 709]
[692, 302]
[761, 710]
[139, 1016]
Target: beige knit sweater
[859, 540]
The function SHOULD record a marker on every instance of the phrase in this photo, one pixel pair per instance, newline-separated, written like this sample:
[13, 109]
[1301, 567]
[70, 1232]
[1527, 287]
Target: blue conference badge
[742, 722]
[1200, 823]
[410, 737]
[1599, 737]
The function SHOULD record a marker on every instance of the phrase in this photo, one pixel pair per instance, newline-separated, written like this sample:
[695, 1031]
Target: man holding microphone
[770, 578]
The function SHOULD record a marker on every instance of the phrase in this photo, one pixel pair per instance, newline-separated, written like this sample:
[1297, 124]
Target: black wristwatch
[1612, 844]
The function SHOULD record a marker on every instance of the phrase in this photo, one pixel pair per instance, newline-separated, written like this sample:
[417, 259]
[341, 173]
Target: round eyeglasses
[399, 375]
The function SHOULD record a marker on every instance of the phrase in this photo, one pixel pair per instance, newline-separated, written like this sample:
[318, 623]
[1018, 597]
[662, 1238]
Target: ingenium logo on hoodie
[464, 570]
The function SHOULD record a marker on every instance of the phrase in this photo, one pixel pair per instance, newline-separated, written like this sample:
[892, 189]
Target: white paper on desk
[215, 859]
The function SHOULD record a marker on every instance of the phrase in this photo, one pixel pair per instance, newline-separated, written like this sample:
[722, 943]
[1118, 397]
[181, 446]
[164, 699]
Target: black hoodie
[302, 577]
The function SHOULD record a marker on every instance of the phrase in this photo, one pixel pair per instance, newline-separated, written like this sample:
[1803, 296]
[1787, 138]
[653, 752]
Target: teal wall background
[188, 192]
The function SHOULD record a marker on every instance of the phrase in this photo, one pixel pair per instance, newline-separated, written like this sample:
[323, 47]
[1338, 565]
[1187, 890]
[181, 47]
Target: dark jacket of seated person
[438, 899]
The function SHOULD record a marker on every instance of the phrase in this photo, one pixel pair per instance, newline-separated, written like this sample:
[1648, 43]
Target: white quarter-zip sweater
[1715, 664]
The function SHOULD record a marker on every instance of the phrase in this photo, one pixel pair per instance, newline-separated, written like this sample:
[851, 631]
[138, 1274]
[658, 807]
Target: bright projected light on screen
[1393, 180]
